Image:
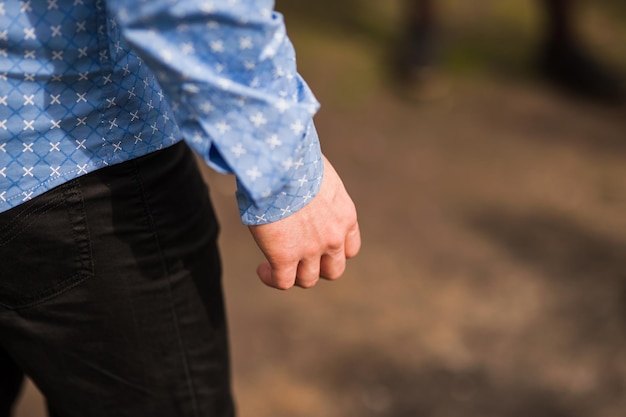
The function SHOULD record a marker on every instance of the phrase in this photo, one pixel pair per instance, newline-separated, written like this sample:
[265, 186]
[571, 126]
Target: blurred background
[492, 202]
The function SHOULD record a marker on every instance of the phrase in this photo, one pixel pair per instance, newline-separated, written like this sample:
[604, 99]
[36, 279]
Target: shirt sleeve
[229, 71]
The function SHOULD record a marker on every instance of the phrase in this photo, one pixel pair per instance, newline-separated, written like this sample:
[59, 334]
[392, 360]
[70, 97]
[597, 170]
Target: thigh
[44, 248]
[11, 378]
[145, 333]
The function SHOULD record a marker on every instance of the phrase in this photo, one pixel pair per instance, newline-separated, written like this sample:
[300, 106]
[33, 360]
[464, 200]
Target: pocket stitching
[16, 227]
[50, 292]
[83, 269]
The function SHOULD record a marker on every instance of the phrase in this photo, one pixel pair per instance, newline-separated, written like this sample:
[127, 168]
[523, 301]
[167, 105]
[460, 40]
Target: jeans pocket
[44, 247]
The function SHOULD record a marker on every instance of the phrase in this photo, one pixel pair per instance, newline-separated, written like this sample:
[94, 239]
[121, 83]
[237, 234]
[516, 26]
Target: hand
[314, 242]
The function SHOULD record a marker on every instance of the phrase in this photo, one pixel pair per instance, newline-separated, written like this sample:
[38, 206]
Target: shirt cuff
[305, 178]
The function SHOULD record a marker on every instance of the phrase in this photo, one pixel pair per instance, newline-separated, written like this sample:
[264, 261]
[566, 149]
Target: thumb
[264, 271]
[281, 277]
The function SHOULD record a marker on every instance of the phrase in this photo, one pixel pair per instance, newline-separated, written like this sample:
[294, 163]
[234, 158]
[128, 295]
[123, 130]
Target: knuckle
[335, 273]
[307, 283]
[351, 217]
[283, 285]
[283, 279]
[310, 252]
[283, 259]
[352, 250]
[333, 267]
[335, 242]
[338, 272]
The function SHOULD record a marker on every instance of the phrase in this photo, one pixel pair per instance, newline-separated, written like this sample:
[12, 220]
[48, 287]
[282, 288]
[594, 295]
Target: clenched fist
[314, 242]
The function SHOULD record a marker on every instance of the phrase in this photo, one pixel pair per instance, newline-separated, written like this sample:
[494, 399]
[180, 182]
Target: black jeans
[110, 294]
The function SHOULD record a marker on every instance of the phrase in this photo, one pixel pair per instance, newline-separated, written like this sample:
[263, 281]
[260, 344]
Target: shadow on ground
[585, 268]
[383, 386]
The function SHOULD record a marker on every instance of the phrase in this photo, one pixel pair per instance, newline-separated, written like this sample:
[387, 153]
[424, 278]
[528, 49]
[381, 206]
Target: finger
[308, 272]
[279, 277]
[333, 265]
[353, 241]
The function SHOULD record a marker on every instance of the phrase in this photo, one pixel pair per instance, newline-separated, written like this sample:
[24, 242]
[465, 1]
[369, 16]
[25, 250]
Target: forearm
[230, 73]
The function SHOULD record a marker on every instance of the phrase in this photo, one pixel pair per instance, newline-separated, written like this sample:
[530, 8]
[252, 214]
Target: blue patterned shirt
[90, 83]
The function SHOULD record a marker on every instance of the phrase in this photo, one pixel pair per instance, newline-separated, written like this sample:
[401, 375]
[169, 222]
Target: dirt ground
[492, 278]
